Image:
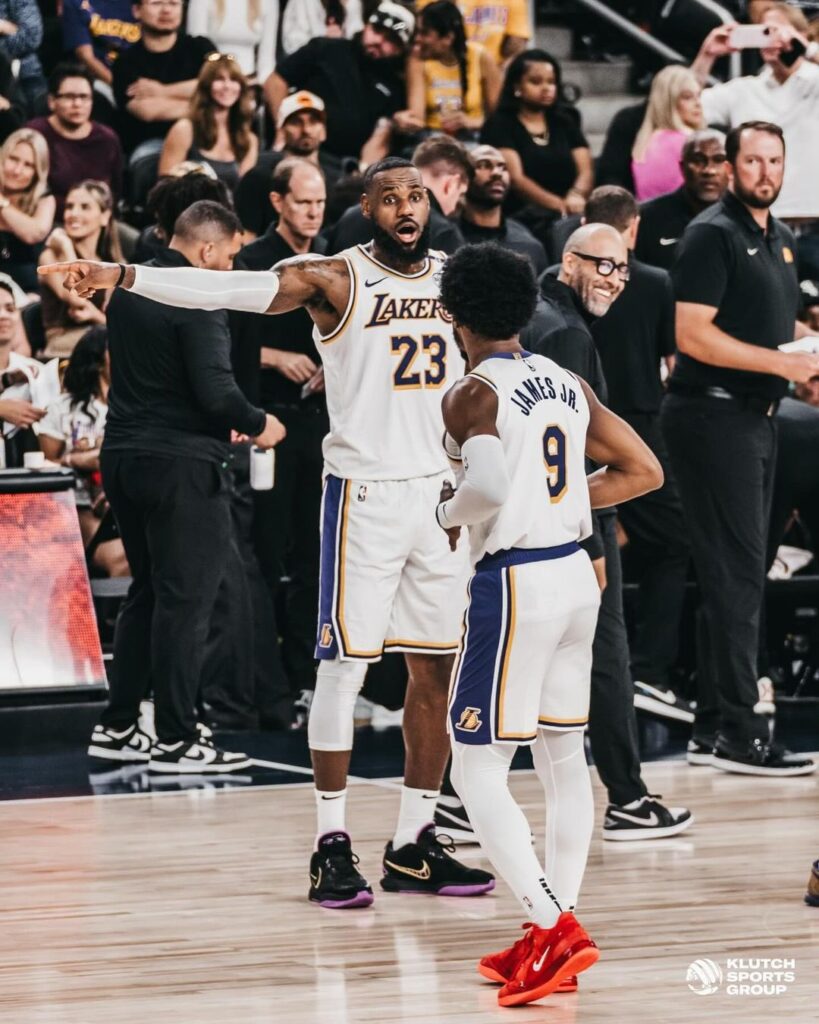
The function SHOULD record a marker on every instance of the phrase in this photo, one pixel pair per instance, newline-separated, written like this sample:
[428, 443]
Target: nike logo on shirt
[668, 241]
[753, 252]
[371, 284]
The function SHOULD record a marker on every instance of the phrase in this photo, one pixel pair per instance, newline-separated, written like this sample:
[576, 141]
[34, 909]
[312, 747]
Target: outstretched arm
[629, 466]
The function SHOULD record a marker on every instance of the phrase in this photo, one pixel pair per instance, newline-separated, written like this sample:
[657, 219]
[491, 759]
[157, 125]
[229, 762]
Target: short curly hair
[490, 290]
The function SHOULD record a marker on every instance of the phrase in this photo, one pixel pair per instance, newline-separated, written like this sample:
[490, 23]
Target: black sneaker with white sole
[451, 817]
[700, 751]
[129, 745]
[195, 759]
[646, 819]
[662, 701]
[759, 757]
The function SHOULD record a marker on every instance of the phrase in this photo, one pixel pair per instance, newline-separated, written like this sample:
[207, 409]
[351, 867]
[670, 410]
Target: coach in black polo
[737, 296]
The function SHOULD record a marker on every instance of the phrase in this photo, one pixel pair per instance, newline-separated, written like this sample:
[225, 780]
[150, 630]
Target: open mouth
[408, 232]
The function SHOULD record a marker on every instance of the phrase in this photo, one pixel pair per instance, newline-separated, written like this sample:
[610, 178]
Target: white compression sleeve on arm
[249, 291]
[485, 487]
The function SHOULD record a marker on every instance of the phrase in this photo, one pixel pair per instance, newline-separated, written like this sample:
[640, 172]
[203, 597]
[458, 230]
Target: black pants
[724, 459]
[612, 720]
[286, 537]
[658, 553]
[174, 519]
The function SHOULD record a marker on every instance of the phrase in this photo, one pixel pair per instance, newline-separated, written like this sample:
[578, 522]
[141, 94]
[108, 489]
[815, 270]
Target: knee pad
[338, 683]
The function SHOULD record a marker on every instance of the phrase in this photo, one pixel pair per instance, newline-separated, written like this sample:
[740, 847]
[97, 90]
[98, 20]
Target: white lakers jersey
[542, 421]
[386, 368]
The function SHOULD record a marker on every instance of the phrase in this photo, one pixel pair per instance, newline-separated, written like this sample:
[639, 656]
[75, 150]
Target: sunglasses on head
[211, 57]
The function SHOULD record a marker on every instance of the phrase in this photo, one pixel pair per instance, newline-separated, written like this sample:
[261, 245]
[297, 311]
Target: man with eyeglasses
[592, 275]
[78, 147]
[154, 79]
[664, 219]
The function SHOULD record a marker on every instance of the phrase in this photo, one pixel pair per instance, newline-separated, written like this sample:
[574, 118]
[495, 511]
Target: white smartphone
[750, 37]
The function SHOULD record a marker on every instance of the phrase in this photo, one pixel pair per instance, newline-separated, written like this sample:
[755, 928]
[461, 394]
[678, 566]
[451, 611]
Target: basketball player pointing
[521, 426]
[388, 578]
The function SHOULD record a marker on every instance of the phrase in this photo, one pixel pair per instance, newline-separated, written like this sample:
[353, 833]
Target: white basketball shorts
[388, 579]
[525, 657]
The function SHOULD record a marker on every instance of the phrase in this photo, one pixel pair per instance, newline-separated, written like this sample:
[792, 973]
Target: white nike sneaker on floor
[195, 759]
[645, 819]
[662, 702]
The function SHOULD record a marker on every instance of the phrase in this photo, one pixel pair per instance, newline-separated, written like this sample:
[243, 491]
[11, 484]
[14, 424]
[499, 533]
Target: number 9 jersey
[387, 366]
[542, 421]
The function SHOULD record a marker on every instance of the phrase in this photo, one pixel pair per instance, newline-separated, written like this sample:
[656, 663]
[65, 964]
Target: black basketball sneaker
[335, 881]
[645, 819]
[426, 866]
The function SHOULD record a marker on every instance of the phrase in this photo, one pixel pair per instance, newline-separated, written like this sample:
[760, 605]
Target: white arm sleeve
[250, 291]
[485, 487]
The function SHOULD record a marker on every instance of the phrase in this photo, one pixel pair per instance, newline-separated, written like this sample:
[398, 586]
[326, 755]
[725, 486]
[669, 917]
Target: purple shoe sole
[361, 899]
[466, 890]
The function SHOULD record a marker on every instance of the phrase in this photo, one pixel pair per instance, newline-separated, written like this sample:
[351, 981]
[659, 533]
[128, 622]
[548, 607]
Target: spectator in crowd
[785, 92]
[311, 19]
[452, 85]
[12, 103]
[633, 339]
[169, 199]
[96, 32]
[547, 154]
[613, 166]
[737, 297]
[71, 433]
[290, 386]
[591, 276]
[21, 32]
[172, 404]
[26, 205]
[245, 28]
[78, 147]
[796, 480]
[674, 112]
[217, 129]
[89, 232]
[302, 125]
[445, 171]
[664, 219]
[500, 26]
[358, 79]
[154, 80]
[482, 218]
[18, 414]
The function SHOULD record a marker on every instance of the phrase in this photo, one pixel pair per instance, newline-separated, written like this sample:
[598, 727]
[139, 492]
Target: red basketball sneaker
[501, 966]
[553, 956]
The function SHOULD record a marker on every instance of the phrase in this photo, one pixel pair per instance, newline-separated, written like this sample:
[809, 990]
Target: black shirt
[551, 166]
[354, 228]
[292, 332]
[172, 387]
[662, 224]
[613, 166]
[632, 337]
[749, 275]
[179, 64]
[510, 235]
[252, 194]
[356, 91]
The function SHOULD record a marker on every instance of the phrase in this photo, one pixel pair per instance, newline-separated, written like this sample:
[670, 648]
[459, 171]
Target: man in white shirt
[784, 92]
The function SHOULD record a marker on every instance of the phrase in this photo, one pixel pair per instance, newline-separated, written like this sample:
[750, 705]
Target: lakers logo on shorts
[469, 720]
[326, 639]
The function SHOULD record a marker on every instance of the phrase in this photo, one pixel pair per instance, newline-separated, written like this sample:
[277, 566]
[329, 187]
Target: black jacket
[353, 228]
[172, 387]
[510, 235]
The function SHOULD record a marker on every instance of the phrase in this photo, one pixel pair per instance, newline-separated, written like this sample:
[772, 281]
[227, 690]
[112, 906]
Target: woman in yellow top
[452, 85]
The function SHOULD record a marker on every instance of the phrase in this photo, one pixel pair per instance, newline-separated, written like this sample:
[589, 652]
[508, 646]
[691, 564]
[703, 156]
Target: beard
[396, 252]
[751, 199]
[483, 201]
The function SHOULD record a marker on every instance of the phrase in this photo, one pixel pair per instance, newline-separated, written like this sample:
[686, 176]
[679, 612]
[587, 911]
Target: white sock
[480, 776]
[331, 811]
[417, 810]
[560, 763]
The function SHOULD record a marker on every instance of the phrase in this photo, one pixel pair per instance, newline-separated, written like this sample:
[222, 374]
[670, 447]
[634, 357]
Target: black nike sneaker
[452, 819]
[646, 819]
[758, 757]
[335, 881]
[426, 866]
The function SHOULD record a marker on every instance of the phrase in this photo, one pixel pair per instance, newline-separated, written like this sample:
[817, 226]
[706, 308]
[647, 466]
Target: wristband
[122, 268]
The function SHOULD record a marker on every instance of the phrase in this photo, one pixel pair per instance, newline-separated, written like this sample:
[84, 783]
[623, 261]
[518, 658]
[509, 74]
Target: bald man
[590, 278]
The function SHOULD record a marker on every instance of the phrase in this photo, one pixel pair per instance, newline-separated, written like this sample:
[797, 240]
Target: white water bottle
[262, 468]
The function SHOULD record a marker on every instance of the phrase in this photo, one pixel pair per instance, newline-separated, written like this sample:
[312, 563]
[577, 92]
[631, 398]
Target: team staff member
[737, 296]
[291, 386]
[172, 404]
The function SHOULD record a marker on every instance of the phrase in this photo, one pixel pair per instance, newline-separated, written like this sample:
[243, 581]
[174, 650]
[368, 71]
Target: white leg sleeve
[250, 291]
[480, 776]
[560, 763]
[338, 683]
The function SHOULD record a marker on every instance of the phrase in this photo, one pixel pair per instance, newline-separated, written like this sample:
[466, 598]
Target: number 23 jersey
[542, 420]
[386, 368]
